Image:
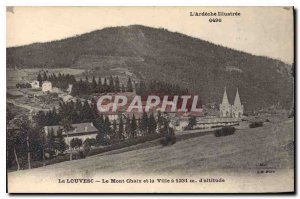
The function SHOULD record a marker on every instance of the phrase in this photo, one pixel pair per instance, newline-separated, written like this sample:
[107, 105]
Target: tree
[40, 79]
[87, 112]
[144, 123]
[127, 127]
[86, 147]
[100, 86]
[107, 125]
[192, 122]
[114, 130]
[94, 85]
[76, 143]
[91, 141]
[45, 78]
[50, 144]
[24, 125]
[133, 126]
[111, 84]
[40, 118]
[152, 124]
[105, 86]
[121, 128]
[60, 144]
[102, 139]
[117, 85]
[66, 125]
[129, 85]
[14, 141]
[123, 88]
[159, 121]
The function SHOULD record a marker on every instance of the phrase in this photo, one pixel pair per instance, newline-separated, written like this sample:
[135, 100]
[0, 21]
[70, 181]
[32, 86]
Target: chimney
[85, 129]
[92, 124]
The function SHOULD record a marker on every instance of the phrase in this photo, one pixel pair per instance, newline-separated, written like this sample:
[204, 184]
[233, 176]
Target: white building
[227, 110]
[35, 84]
[47, 86]
[82, 131]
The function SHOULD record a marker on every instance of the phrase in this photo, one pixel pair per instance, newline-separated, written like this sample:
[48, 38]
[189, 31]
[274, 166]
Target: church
[231, 111]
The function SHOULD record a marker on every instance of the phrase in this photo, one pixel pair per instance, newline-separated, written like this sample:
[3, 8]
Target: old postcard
[150, 99]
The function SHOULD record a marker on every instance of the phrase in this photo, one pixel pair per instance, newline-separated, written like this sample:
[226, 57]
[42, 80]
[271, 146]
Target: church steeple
[225, 98]
[225, 107]
[237, 101]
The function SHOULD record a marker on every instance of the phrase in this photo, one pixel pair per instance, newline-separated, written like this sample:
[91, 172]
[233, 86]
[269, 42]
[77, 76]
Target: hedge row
[228, 130]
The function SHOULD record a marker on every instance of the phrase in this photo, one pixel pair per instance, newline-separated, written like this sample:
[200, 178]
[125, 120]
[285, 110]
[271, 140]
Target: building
[47, 86]
[227, 110]
[82, 131]
[35, 84]
[70, 87]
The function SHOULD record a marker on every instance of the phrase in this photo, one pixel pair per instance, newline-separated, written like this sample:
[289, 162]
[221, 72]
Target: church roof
[237, 101]
[225, 98]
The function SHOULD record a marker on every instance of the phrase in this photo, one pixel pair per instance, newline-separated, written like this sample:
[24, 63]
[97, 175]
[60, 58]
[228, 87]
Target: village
[66, 112]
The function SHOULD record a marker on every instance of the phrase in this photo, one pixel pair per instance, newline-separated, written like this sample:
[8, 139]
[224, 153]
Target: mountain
[150, 53]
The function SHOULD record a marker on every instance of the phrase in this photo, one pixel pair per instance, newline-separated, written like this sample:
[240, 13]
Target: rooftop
[77, 129]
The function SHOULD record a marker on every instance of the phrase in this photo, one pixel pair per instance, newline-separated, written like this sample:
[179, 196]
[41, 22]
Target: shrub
[86, 148]
[255, 124]
[168, 140]
[125, 143]
[228, 130]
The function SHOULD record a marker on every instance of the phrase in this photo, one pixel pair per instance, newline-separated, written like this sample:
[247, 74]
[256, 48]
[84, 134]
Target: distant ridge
[153, 53]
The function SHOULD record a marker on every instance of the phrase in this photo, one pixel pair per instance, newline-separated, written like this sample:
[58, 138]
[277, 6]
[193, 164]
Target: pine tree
[87, 86]
[94, 85]
[60, 144]
[114, 127]
[100, 86]
[159, 121]
[144, 123]
[105, 86]
[192, 122]
[45, 78]
[40, 118]
[94, 108]
[40, 79]
[152, 124]
[111, 84]
[87, 112]
[121, 128]
[123, 88]
[133, 126]
[117, 85]
[129, 85]
[127, 127]
[50, 142]
[107, 125]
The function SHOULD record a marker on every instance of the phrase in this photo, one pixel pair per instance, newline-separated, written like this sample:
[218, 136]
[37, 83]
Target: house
[69, 90]
[46, 86]
[82, 131]
[35, 84]
[68, 98]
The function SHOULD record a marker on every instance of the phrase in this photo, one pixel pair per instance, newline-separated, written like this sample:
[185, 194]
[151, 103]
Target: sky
[265, 31]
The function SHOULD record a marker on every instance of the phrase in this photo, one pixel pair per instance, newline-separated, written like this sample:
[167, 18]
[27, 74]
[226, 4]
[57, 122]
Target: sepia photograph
[150, 99]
